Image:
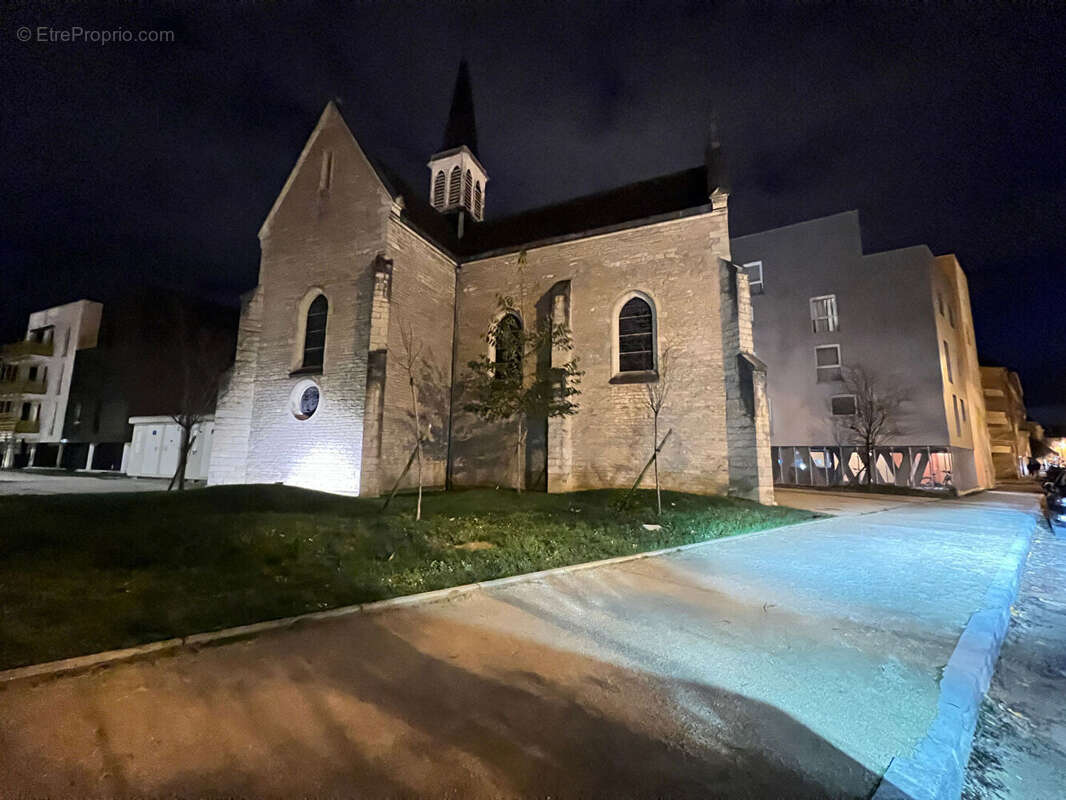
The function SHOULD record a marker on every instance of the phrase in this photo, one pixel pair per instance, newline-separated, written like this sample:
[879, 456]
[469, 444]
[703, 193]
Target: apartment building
[822, 310]
[72, 391]
[1007, 428]
[35, 379]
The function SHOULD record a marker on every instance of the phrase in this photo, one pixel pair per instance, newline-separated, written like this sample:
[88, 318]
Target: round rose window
[305, 399]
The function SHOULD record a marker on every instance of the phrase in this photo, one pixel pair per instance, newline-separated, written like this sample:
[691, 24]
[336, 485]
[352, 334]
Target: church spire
[457, 179]
[461, 128]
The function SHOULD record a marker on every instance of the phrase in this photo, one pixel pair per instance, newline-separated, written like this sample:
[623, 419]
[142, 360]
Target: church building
[360, 276]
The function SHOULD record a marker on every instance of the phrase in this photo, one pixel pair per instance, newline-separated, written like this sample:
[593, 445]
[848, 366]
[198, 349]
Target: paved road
[790, 663]
[1020, 749]
[16, 482]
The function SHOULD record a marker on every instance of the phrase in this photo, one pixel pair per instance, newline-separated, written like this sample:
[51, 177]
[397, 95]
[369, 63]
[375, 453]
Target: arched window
[507, 346]
[453, 186]
[438, 190]
[477, 200]
[315, 332]
[636, 336]
[468, 185]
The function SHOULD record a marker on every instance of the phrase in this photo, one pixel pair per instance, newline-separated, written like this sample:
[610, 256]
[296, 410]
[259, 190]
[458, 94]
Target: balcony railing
[10, 422]
[26, 348]
[22, 387]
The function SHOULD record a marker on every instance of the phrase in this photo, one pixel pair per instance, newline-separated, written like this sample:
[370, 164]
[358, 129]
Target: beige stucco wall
[969, 437]
[1005, 408]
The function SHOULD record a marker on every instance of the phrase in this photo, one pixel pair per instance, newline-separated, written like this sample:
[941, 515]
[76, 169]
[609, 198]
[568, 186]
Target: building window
[824, 314]
[940, 302]
[947, 360]
[843, 405]
[468, 187]
[962, 408]
[315, 332]
[827, 361]
[453, 186]
[305, 399]
[507, 347]
[438, 190]
[477, 200]
[753, 269]
[325, 180]
[958, 422]
[636, 336]
[951, 315]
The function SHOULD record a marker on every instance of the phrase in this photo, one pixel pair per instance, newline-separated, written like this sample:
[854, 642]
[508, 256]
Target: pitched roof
[666, 195]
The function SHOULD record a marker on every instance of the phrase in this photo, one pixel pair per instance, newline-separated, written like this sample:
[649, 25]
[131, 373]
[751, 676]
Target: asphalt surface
[790, 663]
[61, 482]
[1019, 751]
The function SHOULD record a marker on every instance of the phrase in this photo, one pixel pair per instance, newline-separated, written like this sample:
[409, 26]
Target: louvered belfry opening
[453, 186]
[635, 337]
[438, 190]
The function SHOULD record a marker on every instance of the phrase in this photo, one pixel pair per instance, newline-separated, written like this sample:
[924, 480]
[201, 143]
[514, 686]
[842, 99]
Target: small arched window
[468, 185]
[315, 332]
[438, 190]
[477, 200]
[507, 342]
[636, 336]
[453, 186]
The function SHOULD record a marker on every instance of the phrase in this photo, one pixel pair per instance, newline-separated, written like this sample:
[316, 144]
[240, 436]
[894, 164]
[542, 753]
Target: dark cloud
[133, 163]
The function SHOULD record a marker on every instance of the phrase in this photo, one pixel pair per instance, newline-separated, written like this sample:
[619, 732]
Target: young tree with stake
[655, 396]
[508, 387]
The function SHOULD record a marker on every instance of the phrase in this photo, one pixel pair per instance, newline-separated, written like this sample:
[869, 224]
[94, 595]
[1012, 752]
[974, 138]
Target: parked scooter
[1055, 497]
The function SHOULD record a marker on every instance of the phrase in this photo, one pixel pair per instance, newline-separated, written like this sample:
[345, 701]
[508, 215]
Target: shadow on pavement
[362, 709]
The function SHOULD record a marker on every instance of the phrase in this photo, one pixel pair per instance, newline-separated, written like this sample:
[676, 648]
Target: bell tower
[456, 177]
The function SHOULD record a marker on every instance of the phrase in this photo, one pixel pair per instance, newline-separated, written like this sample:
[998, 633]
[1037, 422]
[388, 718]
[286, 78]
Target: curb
[936, 768]
[68, 666]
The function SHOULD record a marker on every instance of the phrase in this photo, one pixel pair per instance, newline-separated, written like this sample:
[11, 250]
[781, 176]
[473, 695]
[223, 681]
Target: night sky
[129, 163]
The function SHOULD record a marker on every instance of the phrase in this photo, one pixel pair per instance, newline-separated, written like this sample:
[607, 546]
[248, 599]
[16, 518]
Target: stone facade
[339, 229]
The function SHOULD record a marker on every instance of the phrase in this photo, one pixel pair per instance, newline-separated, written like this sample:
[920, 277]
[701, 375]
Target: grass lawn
[85, 573]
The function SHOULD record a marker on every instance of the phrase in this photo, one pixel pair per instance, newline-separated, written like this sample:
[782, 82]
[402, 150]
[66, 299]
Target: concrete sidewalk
[845, 503]
[1019, 752]
[791, 663]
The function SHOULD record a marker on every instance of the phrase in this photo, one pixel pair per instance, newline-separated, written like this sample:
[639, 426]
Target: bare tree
[655, 396]
[202, 355]
[410, 360]
[875, 418]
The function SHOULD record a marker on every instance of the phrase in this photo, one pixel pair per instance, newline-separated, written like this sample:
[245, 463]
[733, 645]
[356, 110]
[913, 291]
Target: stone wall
[233, 413]
[324, 234]
[747, 413]
[676, 264]
[421, 299]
